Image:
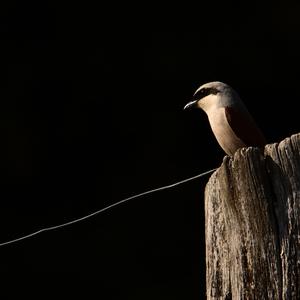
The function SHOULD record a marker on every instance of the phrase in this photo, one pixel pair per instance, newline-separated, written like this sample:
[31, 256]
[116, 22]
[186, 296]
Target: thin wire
[104, 209]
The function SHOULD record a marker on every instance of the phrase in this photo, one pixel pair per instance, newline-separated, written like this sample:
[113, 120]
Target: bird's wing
[244, 127]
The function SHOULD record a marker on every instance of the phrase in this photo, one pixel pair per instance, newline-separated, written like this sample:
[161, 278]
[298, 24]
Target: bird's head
[209, 95]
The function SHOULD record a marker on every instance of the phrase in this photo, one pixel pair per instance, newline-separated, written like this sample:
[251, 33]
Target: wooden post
[252, 224]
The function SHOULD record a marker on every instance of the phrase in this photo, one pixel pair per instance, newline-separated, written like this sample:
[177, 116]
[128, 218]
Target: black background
[91, 113]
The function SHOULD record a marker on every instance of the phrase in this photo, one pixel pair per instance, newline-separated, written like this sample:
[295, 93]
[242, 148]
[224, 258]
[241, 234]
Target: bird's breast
[223, 132]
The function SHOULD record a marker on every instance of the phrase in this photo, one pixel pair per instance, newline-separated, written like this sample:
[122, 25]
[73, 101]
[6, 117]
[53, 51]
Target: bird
[229, 119]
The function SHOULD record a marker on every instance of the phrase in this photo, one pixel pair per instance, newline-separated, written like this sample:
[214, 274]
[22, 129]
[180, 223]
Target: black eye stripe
[204, 92]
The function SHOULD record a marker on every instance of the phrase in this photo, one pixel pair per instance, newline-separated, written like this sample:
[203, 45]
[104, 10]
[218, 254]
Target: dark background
[91, 113]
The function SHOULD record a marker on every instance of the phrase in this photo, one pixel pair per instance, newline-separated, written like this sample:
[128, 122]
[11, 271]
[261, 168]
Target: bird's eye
[205, 92]
[200, 94]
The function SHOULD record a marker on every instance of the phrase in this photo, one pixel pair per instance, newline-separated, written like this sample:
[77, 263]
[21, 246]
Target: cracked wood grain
[252, 224]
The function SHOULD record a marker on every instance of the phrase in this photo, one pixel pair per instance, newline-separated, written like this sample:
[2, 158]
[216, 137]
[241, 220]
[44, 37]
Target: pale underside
[224, 134]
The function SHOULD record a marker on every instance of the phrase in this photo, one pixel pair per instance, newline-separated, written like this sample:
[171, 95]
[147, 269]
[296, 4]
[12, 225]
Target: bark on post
[252, 224]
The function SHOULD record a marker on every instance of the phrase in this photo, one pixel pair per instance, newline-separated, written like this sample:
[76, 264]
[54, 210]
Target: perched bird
[229, 119]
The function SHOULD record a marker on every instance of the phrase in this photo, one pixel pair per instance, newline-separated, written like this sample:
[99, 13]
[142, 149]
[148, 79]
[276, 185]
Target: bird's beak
[191, 104]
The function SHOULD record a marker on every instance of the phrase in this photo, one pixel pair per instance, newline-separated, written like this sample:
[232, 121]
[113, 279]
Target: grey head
[216, 94]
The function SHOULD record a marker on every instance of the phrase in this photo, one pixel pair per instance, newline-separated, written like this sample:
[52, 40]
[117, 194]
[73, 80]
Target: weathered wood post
[252, 224]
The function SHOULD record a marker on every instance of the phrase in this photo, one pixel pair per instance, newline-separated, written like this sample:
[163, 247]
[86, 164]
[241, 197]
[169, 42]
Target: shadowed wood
[252, 224]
